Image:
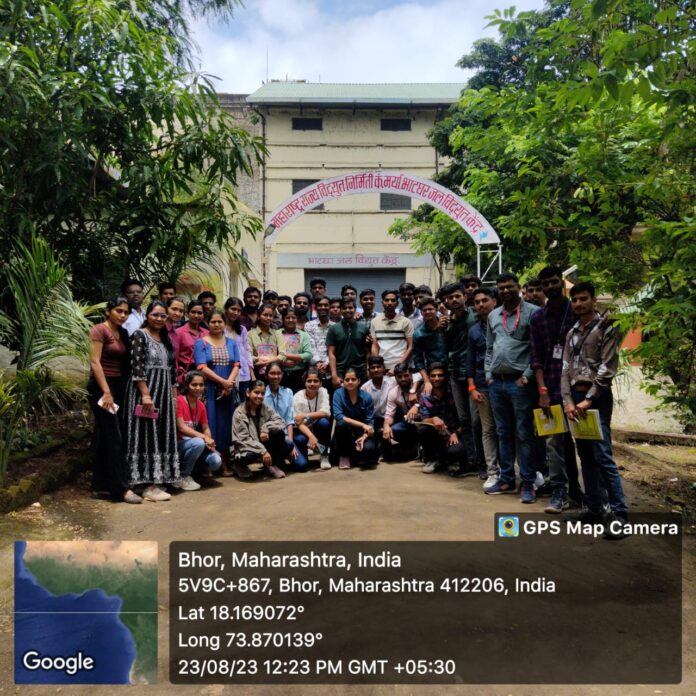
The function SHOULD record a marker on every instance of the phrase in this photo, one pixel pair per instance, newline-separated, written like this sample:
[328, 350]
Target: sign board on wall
[478, 228]
[353, 261]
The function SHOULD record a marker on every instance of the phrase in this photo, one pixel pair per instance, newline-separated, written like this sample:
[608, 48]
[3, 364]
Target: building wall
[352, 231]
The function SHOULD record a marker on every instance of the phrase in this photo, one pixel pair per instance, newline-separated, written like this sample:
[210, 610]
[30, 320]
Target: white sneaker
[539, 481]
[187, 484]
[155, 494]
[490, 481]
[325, 463]
[429, 467]
[453, 467]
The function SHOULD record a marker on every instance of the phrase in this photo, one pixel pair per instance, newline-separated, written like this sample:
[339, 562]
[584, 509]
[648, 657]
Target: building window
[393, 201]
[396, 124]
[299, 184]
[307, 124]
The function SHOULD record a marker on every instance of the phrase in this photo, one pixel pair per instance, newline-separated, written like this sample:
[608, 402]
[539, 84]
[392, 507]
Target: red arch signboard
[478, 228]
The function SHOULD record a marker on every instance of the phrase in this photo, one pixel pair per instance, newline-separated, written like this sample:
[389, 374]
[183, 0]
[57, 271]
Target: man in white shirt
[133, 291]
[317, 329]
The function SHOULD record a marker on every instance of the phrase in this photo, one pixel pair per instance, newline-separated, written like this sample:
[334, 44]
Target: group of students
[451, 377]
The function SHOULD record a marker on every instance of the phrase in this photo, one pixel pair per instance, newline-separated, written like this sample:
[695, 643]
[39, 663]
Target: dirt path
[395, 502]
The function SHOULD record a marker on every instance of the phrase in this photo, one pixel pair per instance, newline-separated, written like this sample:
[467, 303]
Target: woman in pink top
[187, 336]
[176, 308]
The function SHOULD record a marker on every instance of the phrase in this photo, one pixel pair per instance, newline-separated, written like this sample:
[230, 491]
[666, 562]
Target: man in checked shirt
[590, 361]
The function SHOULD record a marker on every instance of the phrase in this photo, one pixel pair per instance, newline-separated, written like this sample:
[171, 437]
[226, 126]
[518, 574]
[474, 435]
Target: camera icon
[508, 526]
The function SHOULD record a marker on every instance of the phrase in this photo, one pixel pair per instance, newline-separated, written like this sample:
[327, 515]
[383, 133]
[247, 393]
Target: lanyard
[577, 349]
[517, 320]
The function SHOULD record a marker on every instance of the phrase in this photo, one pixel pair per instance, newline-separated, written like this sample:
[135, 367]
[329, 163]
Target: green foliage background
[576, 138]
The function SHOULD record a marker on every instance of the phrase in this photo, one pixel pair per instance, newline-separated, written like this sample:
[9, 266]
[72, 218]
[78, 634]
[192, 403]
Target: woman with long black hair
[106, 388]
[151, 447]
[236, 330]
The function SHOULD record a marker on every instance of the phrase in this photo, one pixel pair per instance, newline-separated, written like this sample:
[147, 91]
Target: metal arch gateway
[474, 224]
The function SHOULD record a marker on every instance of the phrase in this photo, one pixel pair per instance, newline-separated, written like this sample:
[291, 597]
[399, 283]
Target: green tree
[586, 156]
[47, 324]
[111, 147]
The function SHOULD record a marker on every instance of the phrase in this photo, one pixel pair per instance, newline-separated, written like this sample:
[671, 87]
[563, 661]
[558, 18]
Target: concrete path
[394, 502]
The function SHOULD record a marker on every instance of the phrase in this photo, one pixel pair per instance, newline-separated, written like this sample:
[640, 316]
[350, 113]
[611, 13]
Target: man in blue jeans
[590, 361]
[508, 373]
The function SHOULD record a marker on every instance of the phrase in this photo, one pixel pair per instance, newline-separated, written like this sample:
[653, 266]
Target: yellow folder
[587, 428]
[552, 425]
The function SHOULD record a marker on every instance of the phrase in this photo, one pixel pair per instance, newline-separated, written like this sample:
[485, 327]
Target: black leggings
[345, 436]
[109, 472]
[435, 448]
[275, 447]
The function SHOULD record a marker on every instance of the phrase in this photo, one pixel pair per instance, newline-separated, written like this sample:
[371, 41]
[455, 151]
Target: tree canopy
[576, 139]
[111, 147]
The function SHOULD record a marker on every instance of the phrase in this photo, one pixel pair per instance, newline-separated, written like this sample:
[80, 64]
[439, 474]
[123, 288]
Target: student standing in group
[392, 335]
[456, 336]
[367, 303]
[346, 345]
[265, 343]
[132, 290]
[421, 292]
[548, 329]
[429, 345]
[317, 288]
[150, 434]
[439, 433]
[208, 300]
[402, 409]
[408, 307]
[176, 308]
[378, 387]
[165, 292]
[312, 413]
[355, 423]
[302, 302]
[271, 297]
[195, 440]
[250, 313]
[279, 398]
[317, 330]
[508, 373]
[348, 292]
[284, 303]
[484, 304]
[590, 362]
[298, 352]
[335, 310]
[469, 284]
[186, 337]
[235, 331]
[258, 435]
[535, 292]
[109, 358]
[217, 357]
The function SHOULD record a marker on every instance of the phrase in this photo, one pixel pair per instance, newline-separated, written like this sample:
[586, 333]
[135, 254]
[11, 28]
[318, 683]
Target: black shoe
[483, 475]
[614, 527]
[585, 516]
[463, 471]
[241, 471]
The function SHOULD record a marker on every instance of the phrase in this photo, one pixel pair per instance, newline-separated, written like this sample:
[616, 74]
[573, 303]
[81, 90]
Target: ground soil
[395, 502]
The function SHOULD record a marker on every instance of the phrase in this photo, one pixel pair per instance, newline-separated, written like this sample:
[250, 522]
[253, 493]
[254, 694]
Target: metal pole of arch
[484, 254]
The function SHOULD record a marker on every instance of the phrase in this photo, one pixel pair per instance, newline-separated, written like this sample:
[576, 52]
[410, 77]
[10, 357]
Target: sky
[344, 40]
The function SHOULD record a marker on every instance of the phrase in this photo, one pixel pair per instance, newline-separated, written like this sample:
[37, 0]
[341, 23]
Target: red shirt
[196, 419]
[187, 340]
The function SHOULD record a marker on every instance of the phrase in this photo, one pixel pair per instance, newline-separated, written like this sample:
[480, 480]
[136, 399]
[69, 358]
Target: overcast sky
[344, 40]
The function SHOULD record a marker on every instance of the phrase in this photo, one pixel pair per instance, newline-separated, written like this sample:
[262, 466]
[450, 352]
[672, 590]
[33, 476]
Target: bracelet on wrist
[543, 390]
[472, 387]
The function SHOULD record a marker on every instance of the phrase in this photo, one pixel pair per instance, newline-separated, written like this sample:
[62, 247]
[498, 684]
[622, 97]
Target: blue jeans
[512, 405]
[322, 431]
[191, 450]
[599, 469]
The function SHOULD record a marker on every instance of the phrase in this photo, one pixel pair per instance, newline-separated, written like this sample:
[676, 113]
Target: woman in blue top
[217, 357]
[353, 410]
[280, 400]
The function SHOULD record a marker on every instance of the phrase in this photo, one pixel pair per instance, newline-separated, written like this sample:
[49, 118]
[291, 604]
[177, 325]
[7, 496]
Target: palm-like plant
[46, 324]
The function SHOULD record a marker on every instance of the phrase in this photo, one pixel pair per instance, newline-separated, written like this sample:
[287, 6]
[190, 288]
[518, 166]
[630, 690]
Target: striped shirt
[391, 335]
